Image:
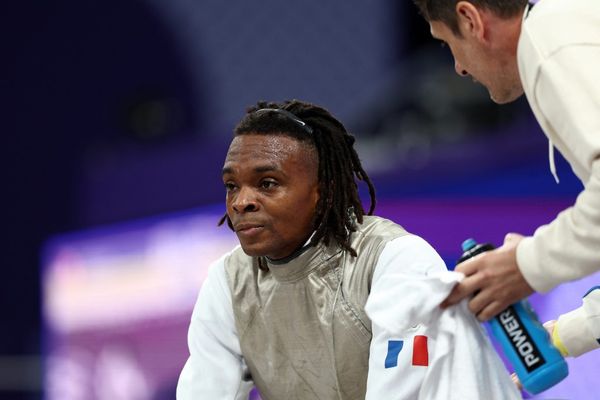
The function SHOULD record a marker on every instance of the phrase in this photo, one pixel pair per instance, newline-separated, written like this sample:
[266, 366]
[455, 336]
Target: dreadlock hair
[339, 205]
[445, 10]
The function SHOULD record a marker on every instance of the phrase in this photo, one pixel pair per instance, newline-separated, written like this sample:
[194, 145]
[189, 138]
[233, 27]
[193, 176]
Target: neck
[296, 253]
[293, 255]
[503, 34]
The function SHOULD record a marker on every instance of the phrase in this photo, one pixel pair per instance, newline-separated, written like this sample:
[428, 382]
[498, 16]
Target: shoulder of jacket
[382, 228]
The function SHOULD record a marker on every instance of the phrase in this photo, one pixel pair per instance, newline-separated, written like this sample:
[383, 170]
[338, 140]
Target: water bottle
[525, 342]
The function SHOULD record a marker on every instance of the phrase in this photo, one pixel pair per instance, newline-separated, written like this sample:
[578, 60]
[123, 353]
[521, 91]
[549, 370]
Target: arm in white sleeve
[578, 331]
[215, 368]
[567, 92]
[419, 351]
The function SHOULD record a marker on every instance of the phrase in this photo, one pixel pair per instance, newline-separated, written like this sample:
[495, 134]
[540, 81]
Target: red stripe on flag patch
[420, 353]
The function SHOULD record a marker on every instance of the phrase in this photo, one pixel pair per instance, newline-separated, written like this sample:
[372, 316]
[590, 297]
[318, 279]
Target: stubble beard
[508, 95]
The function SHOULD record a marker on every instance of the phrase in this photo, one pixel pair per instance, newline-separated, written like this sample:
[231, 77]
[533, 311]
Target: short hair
[339, 205]
[445, 10]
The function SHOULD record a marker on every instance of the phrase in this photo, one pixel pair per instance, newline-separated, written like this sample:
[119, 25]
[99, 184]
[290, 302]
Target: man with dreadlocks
[322, 301]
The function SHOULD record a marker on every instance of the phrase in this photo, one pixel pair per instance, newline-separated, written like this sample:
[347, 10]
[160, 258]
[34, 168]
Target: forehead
[278, 151]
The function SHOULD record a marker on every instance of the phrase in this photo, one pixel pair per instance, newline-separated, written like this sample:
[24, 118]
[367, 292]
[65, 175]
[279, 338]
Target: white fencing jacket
[417, 350]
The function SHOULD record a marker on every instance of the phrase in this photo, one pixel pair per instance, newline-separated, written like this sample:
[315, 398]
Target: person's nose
[459, 69]
[245, 201]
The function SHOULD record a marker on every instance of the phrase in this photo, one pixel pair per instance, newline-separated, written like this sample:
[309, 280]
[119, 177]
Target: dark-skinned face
[272, 193]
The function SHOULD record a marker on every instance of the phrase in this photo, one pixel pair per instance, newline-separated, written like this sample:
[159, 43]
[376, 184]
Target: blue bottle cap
[468, 244]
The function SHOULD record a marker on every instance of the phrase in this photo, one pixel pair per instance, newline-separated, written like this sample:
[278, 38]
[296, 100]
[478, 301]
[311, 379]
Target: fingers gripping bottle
[525, 342]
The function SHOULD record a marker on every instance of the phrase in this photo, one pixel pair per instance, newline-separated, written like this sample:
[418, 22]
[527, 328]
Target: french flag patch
[420, 353]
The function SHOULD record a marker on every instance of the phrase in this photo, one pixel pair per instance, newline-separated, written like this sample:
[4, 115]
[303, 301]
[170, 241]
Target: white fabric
[216, 369]
[559, 63]
[462, 363]
[591, 307]
[551, 161]
[579, 330]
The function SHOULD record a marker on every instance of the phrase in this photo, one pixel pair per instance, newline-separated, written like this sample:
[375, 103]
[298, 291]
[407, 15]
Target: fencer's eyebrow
[266, 168]
[259, 169]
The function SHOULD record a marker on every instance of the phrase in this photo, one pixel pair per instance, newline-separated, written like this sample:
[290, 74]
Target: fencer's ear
[470, 21]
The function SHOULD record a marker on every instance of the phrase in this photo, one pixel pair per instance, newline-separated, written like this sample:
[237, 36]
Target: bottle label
[520, 339]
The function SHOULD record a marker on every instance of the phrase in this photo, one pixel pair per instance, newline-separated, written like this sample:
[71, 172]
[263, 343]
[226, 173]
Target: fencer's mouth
[244, 227]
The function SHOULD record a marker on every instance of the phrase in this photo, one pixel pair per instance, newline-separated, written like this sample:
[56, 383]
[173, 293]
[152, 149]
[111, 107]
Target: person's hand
[494, 280]
[550, 328]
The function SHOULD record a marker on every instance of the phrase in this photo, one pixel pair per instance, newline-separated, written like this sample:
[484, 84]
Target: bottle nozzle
[468, 244]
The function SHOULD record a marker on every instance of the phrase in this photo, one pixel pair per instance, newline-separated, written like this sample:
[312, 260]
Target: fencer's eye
[268, 184]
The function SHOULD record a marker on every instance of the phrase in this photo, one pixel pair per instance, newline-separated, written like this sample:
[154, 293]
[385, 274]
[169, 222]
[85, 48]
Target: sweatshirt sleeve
[419, 351]
[215, 368]
[578, 331]
[567, 93]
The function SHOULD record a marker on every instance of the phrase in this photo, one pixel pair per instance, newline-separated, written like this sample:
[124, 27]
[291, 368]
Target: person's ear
[470, 21]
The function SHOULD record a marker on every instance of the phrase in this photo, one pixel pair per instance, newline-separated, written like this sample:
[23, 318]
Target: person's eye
[268, 184]
[229, 186]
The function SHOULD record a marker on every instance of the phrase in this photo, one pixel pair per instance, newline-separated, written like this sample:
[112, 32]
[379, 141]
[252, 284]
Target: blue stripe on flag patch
[394, 347]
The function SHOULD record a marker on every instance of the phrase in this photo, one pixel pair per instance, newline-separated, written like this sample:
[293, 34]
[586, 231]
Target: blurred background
[116, 119]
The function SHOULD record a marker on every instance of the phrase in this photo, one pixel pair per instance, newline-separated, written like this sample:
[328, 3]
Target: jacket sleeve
[215, 368]
[567, 95]
[419, 351]
[578, 331]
